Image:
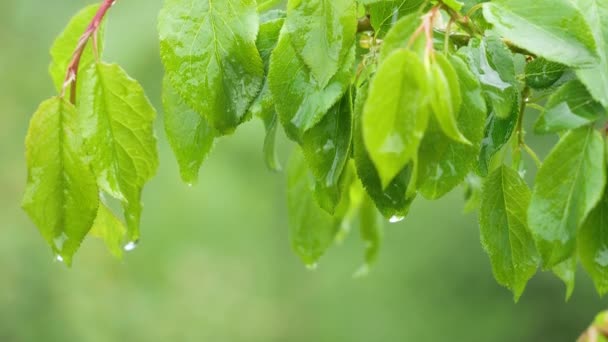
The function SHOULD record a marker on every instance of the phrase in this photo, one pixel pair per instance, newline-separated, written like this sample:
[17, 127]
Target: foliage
[386, 100]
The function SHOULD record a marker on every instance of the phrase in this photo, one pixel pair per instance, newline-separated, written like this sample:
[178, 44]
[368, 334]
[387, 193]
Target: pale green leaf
[504, 231]
[189, 134]
[566, 271]
[568, 186]
[61, 195]
[553, 29]
[385, 14]
[65, 44]
[117, 125]
[322, 33]
[209, 52]
[371, 227]
[396, 113]
[110, 229]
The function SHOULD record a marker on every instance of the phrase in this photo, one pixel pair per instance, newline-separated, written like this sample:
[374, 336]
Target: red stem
[91, 31]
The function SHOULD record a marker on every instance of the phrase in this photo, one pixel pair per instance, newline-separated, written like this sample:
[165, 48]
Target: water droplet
[312, 266]
[59, 258]
[190, 185]
[130, 246]
[396, 219]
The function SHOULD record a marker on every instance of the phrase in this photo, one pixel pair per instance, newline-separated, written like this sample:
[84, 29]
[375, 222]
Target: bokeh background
[214, 263]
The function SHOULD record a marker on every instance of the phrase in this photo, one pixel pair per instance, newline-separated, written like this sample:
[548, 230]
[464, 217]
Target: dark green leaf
[542, 74]
[568, 186]
[61, 195]
[593, 245]
[117, 124]
[189, 134]
[569, 107]
[553, 29]
[504, 231]
[208, 49]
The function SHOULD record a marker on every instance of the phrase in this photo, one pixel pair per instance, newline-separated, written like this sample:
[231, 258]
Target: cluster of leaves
[387, 100]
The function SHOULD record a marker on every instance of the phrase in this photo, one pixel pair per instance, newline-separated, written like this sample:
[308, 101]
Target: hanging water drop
[312, 266]
[130, 246]
[59, 258]
[396, 219]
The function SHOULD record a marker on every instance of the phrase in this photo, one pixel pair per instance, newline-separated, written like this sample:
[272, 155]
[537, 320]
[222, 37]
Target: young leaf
[446, 98]
[189, 134]
[300, 100]
[61, 195]
[208, 49]
[117, 125]
[596, 77]
[542, 74]
[443, 164]
[110, 229]
[569, 107]
[312, 229]
[384, 14]
[393, 201]
[504, 231]
[593, 245]
[568, 186]
[396, 113]
[553, 29]
[322, 32]
[326, 148]
[399, 36]
[66, 42]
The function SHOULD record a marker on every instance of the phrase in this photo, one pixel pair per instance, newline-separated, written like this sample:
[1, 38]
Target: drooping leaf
[189, 134]
[566, 271]
[65, 44]
[300, 100]
[396, 113]
[312, 230]
[446, 98]
[493, 64]
[504, 231]
[371, 233]
[208, 49]
[117, 125]
[568, 186]
[110, 229]
[61, 196]
[384, 14]
[596, 77]
[542, 74]
[326, 148]
[263, 106]
[322, 33]
[443, 164]
[569, 107]
[593, 245]
[393, 202]
[553, 29]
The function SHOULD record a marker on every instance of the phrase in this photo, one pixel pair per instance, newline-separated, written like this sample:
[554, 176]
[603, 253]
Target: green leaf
[399, 36]
[322, 33]
[208, 49]
[542, 74]
[396, 113]
[117, 125]
[453, 4]
[393, 201]
[593, 245]
[553, 29]
[300, 100]
[326, 148]
[189, 134]
[446, 98]
[384, 14]
[569, 107]
[65, 44]
[444, 164]
[504, 231]
[110, 229]
[566, 271]
[596, 77]
[263, 106]
[568, 186]
[371, 233]
[61, 196]
[492, 63]
[312, 229]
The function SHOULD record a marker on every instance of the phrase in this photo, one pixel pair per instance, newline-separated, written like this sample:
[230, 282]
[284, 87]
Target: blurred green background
[214, 263]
